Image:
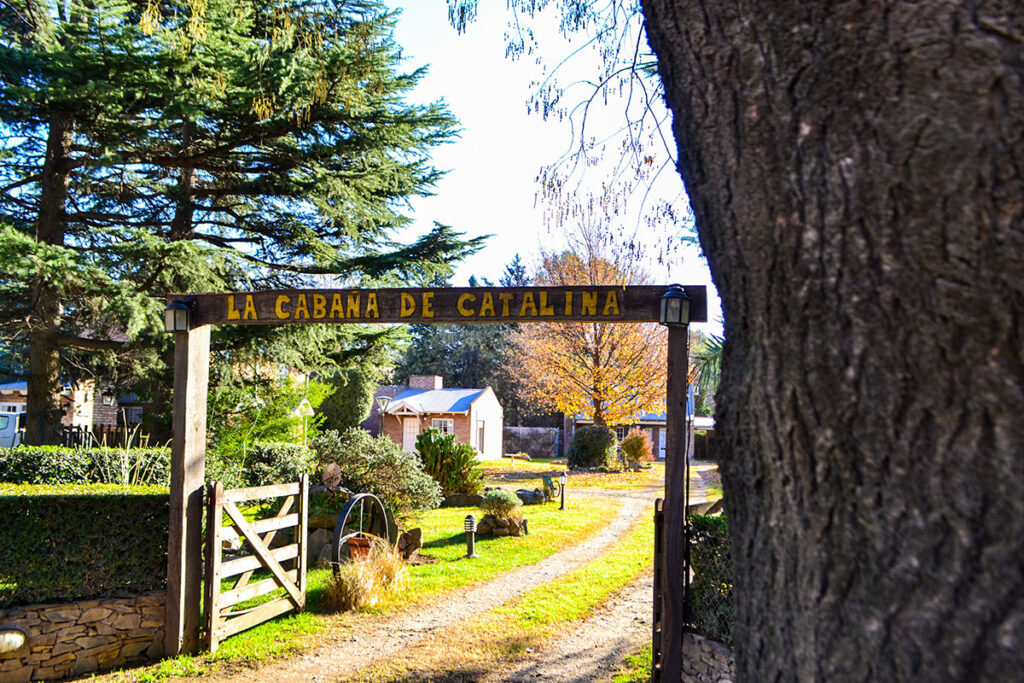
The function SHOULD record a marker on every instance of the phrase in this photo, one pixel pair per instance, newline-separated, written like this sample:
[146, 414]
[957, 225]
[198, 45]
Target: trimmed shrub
[72, 543]
[593, 446]
[378, 466]
[272, 462]
[637, 446]
[452, 464]
[500, 503]
[710, 609]
[61, 465]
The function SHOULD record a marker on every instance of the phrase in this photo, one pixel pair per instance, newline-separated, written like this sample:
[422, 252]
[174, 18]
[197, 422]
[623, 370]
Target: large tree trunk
[44, 324]
[856, 174]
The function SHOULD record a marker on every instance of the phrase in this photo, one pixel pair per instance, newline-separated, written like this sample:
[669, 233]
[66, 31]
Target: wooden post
[214, 525]
[674, 580]
[302, 532]
[188, 450]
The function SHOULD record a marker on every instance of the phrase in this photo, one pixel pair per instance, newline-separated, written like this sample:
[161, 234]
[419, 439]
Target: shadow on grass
[457, 539]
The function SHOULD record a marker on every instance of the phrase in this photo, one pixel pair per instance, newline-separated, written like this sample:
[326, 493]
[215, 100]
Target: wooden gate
[256, 538]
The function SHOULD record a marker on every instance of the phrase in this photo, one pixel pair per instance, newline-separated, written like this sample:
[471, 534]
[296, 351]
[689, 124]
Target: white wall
[486, 409]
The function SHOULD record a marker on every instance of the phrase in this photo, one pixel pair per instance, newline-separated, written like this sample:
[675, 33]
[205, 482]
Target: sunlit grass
[636, 668]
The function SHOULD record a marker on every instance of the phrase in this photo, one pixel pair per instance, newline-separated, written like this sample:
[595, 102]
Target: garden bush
[378, 466]
[500, 503]
[452, 464]
[637, 446]
[271, 462]
[61, 465]
[593, 446]
[77, 542]
[710, 608]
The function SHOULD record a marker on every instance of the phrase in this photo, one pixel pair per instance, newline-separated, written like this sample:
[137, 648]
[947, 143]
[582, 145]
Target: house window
[133, 415]
[621, 431]
[443, 425]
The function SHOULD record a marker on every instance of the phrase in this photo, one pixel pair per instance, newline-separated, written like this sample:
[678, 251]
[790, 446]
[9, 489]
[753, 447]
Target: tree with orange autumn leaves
[609, 372]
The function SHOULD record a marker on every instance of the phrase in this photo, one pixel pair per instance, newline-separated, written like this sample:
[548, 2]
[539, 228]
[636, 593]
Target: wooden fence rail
[223, 618]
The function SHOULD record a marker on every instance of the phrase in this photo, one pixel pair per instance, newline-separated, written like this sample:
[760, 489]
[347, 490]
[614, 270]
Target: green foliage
[60, 465]
[710, 608]
[637, 446]
[61, 547]
[593, 446]
[270, 462]
[378, 466]
[706, 366]
[351, 401]
[214, 146]
[263, 411]
[453, 465]
[500, 503]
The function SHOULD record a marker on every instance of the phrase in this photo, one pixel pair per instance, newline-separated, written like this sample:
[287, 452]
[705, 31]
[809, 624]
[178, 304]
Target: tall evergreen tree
[186, 146]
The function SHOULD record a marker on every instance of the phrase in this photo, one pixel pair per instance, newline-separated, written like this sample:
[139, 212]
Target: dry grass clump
[364, 582]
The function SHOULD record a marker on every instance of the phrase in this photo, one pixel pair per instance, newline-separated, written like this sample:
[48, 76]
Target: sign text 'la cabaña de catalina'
[438, 305]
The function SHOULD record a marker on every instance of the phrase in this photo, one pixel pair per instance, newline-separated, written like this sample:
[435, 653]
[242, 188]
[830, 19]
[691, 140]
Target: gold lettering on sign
[233, 313]
[428, 304]
[319, 306]
[589, 306]
[487, 306]
[282, 300]
[545, 309]
[371, 306]
[568, 303]
[506, 299]
[461, 305]
[301, 308]
[408, 305]
[611, 304]
[528, 303]
[353, 306]
[250, 308]
[337, 307]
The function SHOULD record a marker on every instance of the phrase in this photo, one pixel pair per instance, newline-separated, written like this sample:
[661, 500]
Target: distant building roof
[15, 386]
[434, 400]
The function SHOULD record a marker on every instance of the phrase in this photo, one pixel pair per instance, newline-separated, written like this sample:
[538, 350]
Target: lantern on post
[178, 315]
[470, 537]
[107, 397]
[675, 307]
[562, 481]
[382, 405]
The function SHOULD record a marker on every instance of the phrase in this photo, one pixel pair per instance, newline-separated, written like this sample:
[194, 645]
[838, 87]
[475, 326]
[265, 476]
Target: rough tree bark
[42, 407]
[856, 173]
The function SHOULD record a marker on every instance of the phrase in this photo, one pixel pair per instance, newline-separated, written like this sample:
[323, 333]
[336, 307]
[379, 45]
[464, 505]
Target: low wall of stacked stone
[706, 661]
[75, 638]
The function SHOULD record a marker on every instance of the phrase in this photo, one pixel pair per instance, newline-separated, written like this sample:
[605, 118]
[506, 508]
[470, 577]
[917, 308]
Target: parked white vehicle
[11, 425]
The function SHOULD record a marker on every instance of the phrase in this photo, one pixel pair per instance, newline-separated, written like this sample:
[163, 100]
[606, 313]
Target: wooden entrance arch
[630, 304]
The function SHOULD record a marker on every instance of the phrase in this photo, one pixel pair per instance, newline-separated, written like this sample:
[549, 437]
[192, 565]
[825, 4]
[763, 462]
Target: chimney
[426, 382]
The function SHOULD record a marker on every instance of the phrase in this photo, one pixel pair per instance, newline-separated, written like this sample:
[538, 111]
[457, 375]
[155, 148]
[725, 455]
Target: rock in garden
[462, 500]
[317, 540]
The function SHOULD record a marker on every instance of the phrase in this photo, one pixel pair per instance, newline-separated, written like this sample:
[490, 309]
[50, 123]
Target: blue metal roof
[434, 400]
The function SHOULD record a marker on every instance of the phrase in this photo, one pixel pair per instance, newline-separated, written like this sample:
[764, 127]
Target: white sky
[490, 187]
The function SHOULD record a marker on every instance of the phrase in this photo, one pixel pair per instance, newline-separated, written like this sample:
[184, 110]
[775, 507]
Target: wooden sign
[628, 304]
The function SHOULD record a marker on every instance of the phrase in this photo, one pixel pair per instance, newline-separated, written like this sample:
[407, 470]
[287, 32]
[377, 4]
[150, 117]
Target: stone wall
[75, 638]
[706, 661]
[538, 442]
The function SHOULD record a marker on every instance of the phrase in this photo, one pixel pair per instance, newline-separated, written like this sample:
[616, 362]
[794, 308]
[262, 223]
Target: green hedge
[709, 609]
[60, 465]
[593, 446]
[71, 543]
[273, 462]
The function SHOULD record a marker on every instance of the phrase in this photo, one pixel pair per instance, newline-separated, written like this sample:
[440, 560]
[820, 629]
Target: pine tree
[189, 146]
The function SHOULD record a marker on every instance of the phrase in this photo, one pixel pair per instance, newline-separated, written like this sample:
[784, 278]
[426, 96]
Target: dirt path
[385, 637]
[596, 646]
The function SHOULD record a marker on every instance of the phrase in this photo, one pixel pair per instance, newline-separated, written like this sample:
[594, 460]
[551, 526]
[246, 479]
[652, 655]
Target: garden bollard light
[471, 537]
[562, 480]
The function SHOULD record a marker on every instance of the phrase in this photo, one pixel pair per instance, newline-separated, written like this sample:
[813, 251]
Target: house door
[410, 430]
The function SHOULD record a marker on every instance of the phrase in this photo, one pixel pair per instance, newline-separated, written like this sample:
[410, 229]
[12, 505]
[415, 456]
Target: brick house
[474, 416]
[83, 404]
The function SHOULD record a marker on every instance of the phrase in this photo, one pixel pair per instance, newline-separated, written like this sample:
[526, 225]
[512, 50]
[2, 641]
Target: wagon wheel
[363, 518]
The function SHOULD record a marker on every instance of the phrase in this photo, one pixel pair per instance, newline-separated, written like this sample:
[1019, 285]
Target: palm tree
[706, 366]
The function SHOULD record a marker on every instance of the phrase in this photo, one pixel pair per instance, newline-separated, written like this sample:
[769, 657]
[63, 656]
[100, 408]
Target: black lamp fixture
[470, 537]
[563, 479]
[178, 315]
[108, 396]
[382, 405]
[675, 307]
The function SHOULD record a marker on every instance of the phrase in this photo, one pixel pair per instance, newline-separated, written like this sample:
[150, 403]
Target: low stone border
[75, 638]
[706, 661]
